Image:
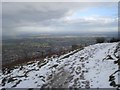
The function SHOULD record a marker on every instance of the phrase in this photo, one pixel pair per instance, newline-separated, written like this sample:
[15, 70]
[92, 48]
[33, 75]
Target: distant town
[17, 51]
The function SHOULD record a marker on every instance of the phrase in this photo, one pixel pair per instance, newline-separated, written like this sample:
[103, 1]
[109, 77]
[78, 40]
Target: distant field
[31, 48]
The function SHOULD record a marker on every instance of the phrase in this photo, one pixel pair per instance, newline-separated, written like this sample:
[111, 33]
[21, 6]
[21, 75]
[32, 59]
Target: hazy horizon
[65, 18]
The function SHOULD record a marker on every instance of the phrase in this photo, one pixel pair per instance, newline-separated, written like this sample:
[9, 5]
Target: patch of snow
[87, 68]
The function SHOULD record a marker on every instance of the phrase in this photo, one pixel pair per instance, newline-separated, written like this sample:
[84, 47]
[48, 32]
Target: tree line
[103, 39]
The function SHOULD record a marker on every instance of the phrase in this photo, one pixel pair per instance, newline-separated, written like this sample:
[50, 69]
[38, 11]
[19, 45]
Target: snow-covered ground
[87, 68]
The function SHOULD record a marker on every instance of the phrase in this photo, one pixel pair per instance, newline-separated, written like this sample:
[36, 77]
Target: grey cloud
[17, 15]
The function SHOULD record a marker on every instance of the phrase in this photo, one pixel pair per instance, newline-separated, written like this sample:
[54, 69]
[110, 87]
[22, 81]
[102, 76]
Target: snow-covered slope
[88, 68]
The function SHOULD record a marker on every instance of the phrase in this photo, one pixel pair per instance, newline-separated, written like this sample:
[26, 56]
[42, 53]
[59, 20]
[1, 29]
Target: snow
[87, 68]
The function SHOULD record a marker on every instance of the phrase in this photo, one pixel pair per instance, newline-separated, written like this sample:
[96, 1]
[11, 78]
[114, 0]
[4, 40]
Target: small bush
[100, 40]
[114, 39]
[74, 47]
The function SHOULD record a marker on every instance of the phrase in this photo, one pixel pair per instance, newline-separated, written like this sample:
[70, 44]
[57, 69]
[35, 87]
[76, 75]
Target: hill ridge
[87, 68]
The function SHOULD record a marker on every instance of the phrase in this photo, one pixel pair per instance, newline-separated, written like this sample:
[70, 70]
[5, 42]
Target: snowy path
[88, 68]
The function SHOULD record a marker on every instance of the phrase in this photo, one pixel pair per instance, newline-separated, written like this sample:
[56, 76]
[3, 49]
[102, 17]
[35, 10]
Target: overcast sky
[30, 18]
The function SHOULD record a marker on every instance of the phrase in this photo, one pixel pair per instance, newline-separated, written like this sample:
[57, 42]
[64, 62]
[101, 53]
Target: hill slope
[88, 68]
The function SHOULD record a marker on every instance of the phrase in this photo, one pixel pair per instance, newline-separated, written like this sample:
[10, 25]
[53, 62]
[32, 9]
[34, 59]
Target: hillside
[87, 68]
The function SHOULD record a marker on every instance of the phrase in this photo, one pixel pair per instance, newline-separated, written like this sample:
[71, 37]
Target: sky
[19, 18]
